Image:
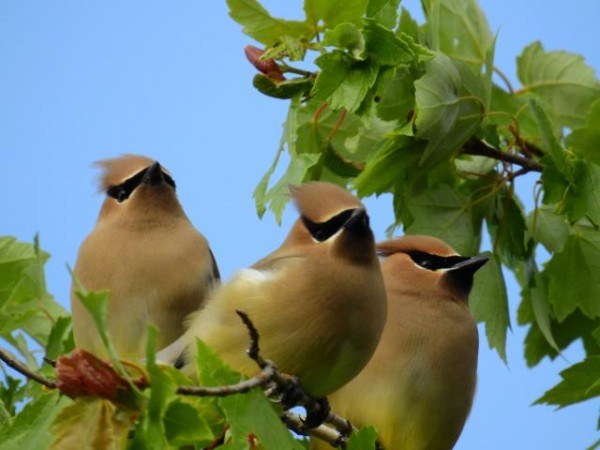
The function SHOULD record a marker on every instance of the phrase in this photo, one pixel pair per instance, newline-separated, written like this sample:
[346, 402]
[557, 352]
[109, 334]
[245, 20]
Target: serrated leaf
[541, 306]
[286, 47]
[24, 302]
[459, 29]
[150, 431]
[30, 429]
[384, 12]
[549, 141]
[90, 424]
[345, 36]
[489, 304]
[390, 49]
[260, 25]
[582, 198]
[548, 228]
[441, 212]
[334, 12]
[574, 276]
[342, 81]
[363, 439]
[58, 334]
[387, 166]
[296, 173]
[507, 226]
[184, 425]
[562, 80]
[450, 103]
[408, 25]
[585, 141]
[395, 94]
[247, 414]
[579, 383]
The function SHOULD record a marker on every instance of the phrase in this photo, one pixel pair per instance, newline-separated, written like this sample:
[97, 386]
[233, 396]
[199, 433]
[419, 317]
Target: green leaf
[150, 431]
[541, 306]
[56, 340]
[282, 89]
[459, 29]
[390, 49]
[507, 226]
[549, 141]
[450, 104]
[342, 81]
[363, 439]
[395, 94]
[441, 212]
[548, 228]
[489, 303]
[408, 25]
[562, 80]
[259, 25]
[389, 164]
[582, 199]
[286, 47]
[585, 141]
[31, 428]
[574, 275]
[580, 382]
[296, 173]
[247, 414]
[384, 12]
[184, 425]
[345, 36]
[24, 302]
[90, 423]
[334, 12]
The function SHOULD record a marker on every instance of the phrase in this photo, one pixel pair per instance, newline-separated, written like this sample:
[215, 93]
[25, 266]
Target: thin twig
[12, 362]
[476, 147]
[333, 437]
[264, 377]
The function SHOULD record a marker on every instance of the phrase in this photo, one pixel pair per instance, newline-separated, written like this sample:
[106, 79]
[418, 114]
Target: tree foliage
[386, 106]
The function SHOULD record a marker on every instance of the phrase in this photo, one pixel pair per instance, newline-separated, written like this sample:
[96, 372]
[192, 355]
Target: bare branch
[476, 147]
[333, 437]
[11, 361]
[264, 377]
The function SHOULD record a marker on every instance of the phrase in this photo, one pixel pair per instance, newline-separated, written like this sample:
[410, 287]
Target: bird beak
[470, 265]
[154, 175]
[358, 220]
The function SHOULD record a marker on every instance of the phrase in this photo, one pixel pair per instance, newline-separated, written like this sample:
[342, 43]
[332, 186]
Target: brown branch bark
[12, 362]
[476, 147]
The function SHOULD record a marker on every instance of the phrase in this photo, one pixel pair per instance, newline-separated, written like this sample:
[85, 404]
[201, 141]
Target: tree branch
[11, 361]
[476, 147]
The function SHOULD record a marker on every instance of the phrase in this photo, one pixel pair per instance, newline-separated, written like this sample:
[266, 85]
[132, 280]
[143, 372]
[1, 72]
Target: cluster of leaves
[110, 409]
[419, 111]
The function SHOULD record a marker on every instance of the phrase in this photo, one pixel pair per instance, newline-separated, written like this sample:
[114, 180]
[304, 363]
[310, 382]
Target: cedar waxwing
[145, 250]
[418, 388]
[318, 302]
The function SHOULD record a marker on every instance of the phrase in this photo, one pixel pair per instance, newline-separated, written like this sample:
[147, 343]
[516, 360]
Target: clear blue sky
[82, 81]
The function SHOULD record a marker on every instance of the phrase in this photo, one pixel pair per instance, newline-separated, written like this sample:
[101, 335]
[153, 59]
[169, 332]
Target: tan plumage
[145, 250]
[418, 388]
[318, 301]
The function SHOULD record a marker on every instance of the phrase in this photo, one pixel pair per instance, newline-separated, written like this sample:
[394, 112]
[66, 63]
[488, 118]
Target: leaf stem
[477, 147]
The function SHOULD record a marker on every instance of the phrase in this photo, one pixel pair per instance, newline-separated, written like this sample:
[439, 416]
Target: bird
[146, 252]
[317, 302]
[418, 388]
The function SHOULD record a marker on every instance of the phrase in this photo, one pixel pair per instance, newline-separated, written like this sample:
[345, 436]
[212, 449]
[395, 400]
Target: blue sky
[82, 81]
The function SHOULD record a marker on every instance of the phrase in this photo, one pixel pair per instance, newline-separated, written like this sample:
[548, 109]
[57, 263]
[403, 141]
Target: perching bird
[418, 388]
[145, 250]
[318, 302]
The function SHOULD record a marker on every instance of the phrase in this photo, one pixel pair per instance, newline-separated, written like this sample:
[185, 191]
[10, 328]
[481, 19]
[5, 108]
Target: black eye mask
[435, 262]
[121, 192]
[324, 230]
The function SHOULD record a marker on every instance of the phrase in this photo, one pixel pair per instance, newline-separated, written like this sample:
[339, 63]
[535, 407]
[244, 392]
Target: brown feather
[117, 170]
[319, 201]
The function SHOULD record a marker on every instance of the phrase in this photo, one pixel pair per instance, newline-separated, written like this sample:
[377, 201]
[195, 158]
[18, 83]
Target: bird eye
[324, 230]
[435, 262]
